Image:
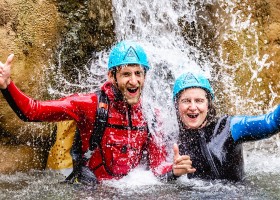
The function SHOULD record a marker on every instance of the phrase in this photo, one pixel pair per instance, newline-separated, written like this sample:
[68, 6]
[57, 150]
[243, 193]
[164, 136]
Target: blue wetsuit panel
[250, 128]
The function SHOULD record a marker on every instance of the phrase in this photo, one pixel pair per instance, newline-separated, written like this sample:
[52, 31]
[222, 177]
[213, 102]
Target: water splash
[156, 26]
[89, 79]
[251, 96]
[181, 36]
[137, 177]
[243, 36]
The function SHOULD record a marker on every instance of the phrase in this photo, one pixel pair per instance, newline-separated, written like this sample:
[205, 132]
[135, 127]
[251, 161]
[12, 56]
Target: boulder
[37, 32]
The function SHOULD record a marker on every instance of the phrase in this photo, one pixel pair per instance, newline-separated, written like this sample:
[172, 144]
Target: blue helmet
[190, 80]
[128, 52]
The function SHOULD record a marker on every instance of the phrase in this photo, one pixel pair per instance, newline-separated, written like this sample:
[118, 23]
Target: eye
[185, 101]
[126, 74]
[139, 73]
[200, 100]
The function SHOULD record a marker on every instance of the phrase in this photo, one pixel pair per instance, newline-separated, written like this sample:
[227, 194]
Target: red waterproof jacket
[125, 138]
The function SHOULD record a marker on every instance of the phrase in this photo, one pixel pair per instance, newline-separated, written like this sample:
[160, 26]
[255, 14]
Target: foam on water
[138, 177]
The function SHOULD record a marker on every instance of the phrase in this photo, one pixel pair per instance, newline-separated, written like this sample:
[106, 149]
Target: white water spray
[156, 26]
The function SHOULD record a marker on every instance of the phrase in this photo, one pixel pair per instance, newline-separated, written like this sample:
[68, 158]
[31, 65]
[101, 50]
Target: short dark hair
[115, 69]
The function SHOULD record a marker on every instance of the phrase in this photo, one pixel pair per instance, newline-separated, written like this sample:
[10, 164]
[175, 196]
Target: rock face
[253, 54]
[29, 30]
[36, 31]
[242, 40]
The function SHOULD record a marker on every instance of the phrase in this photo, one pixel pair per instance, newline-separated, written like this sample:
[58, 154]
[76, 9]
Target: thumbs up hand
[181, 164]
[5, 72]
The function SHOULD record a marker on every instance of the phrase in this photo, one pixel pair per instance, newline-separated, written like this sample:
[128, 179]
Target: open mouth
[193, 116]
[132, 90]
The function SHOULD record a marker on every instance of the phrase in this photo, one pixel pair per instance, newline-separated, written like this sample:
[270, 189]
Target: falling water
[158, 26]
[179, 36]
[155, 25]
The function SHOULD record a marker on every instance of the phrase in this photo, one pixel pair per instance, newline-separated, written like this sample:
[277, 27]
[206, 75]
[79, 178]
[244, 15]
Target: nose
[133, 79]
[192, 105]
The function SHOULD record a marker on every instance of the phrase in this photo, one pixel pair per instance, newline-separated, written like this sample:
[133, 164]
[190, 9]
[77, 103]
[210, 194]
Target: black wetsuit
[213, 151]
[216, 149]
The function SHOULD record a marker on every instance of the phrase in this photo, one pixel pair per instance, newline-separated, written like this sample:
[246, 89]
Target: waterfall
[155, 25]
[178, 36]
[187, 35]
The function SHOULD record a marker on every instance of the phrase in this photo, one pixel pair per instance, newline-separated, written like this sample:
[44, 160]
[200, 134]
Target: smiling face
[130, 81]
[193, 107]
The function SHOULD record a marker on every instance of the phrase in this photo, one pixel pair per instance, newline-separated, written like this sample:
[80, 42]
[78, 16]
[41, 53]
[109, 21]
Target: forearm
[249, 128]
[15, 99]
[28, 109]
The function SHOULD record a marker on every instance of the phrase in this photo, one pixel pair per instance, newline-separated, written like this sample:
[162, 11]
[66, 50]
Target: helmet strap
[114, 74]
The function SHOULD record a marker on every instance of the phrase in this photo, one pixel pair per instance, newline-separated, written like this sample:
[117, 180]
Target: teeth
[192, 115]
[132, 89]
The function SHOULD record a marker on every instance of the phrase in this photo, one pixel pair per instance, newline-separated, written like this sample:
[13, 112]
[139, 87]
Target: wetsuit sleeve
[250, 128]
[29, 109]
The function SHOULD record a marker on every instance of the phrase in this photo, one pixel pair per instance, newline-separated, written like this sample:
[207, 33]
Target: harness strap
[101, 118]
[99, 126]
[101, 122]
[133, 128]
[98, 129]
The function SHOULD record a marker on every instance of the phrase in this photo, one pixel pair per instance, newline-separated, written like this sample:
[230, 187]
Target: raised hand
[181, 164]
[5, 72]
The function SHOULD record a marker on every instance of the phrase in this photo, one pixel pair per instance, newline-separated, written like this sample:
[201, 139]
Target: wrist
[174, 175]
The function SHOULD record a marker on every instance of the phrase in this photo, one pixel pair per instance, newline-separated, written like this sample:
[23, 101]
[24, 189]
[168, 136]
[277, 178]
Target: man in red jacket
[126, 136]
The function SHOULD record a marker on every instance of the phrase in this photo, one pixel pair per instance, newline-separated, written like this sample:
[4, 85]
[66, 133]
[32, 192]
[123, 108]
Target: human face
[130, 81]
[193, 107]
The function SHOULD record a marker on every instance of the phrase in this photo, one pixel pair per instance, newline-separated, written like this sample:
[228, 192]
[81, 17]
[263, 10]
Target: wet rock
[37, 32]
[15, 158]
[242, 42]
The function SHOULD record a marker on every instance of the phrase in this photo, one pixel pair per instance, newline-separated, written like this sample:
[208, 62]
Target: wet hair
[211, 114]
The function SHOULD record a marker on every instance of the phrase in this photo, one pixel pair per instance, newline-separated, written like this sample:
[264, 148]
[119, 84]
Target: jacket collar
[116, 98]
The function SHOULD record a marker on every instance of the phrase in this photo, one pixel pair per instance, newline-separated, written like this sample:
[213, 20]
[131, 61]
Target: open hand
[5, 72]
[181, 164]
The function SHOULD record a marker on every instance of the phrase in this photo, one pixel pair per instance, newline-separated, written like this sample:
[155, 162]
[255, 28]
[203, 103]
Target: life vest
[115, 147]
[121, 147]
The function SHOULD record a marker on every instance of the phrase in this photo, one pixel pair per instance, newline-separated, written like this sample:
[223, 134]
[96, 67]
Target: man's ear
[111, 76]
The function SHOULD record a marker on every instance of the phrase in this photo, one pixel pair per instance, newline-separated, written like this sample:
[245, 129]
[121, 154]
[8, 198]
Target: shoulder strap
[101, 118]
[100, 123]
